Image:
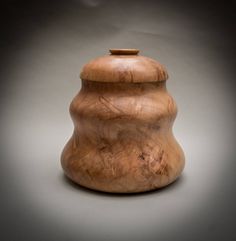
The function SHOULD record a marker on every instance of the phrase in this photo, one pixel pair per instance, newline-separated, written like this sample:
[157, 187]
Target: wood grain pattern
[123, 141]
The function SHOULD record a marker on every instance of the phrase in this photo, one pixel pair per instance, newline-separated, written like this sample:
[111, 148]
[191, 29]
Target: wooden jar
[123, 116]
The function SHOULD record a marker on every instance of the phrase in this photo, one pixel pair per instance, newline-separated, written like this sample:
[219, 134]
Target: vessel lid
[124, 65]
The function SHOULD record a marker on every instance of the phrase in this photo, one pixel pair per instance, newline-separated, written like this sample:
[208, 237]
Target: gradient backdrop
[44, 45]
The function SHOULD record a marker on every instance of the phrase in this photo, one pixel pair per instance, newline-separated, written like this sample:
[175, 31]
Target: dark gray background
[44, 45]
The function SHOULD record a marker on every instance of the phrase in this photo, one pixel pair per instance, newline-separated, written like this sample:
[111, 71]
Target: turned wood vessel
[123, 116]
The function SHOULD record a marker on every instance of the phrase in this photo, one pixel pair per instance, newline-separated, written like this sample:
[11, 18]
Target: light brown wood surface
[123, 117]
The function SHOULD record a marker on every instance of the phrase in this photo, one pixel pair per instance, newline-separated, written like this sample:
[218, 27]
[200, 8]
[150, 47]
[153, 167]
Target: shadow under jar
[123, 116]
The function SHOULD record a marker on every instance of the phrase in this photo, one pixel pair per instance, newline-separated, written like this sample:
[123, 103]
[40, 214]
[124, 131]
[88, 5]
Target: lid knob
[124, 51]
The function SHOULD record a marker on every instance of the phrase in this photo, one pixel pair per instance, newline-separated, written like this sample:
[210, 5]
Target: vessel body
[122, 140]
